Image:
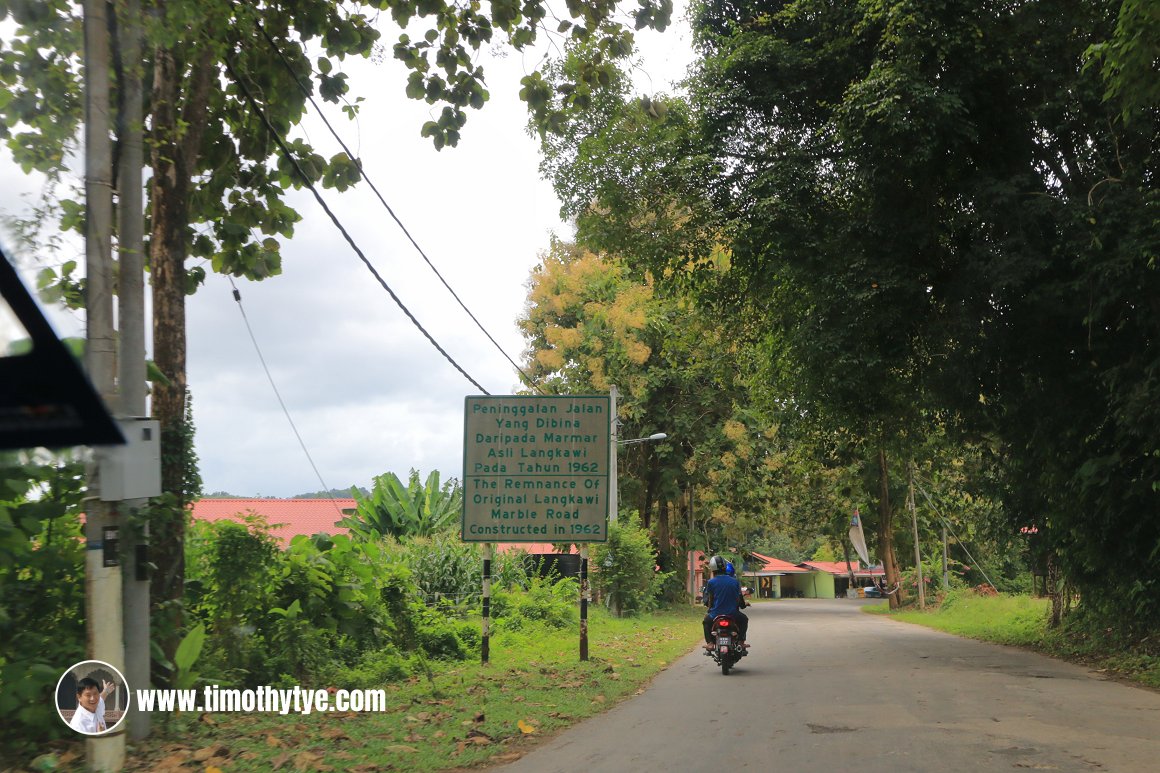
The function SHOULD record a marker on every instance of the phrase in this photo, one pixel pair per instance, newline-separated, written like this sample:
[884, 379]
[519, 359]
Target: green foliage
[624, 568]
[188, 651]
[276, 615]
[551, 602]
[374, 669]
[419, 508]
[443, 566]
[1128, 60]
[779, 545]
[42, 591]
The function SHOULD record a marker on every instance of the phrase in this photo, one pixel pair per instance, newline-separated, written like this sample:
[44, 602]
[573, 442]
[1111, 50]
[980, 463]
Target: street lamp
[613, 493]
[656, 437]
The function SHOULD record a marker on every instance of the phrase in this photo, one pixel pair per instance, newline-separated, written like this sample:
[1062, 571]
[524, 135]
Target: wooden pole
[584, 601]
[485, 642]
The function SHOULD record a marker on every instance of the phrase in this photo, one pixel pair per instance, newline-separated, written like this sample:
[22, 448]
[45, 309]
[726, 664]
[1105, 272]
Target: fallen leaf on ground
[304, 761]
[398, 747]
[525, 727]
[280, 760]
[173, 762]
[214, 750]
[274, 742]
[508, 757]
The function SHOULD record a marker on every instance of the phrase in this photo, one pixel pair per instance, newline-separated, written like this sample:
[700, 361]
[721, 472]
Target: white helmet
[717, 565]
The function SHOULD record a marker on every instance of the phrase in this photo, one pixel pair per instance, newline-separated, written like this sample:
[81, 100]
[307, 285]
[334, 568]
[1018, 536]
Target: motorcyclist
[742, 618]
[723, 597]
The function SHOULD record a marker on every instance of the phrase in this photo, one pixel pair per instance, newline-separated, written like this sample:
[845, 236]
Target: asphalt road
[828, 688]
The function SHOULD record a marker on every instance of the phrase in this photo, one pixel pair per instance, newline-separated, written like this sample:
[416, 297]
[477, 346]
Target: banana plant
[417, 509]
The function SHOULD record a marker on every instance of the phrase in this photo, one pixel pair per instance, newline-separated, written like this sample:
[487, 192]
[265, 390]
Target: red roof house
[289, 517]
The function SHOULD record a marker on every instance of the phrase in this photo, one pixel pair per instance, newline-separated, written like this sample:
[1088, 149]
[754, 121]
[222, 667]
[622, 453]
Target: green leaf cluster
[625, 570]
[418, 508]
[42, 592]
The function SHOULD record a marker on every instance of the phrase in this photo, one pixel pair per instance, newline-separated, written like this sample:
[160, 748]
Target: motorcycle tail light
[723, 623]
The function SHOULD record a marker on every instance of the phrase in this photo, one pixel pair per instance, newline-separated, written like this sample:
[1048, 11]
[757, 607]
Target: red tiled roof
[290, 517]
[777, 565]
[838, 568]
[531, 547]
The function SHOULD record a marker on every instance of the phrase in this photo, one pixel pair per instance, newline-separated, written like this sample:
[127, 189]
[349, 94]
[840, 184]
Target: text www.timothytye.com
[263, 699]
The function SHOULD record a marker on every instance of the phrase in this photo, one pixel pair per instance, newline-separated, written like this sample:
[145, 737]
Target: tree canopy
[945, 215]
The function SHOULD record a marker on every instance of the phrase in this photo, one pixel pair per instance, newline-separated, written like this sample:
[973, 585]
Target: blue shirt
[725, 592]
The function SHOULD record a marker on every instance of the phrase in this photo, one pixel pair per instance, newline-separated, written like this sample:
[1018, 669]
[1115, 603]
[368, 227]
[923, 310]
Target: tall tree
[589, 323]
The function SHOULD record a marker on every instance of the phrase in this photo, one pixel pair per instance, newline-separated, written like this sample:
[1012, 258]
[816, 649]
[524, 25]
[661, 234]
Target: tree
[419, 509]
[589, 323]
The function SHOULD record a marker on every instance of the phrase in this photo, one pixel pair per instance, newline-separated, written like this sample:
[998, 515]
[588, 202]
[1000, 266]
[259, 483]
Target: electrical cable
[337, 223]
[362, 172]
[952, 531]
[270, 378]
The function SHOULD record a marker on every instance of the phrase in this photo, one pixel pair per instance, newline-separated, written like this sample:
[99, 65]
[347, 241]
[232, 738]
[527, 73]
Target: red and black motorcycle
[726, 647]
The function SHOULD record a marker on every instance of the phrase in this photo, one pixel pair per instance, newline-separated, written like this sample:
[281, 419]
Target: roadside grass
[459, 715]
[1022, 621]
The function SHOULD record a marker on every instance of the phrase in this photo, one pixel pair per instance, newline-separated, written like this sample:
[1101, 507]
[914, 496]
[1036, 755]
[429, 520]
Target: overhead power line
[281, 402]
[362, 172]
[253, 103]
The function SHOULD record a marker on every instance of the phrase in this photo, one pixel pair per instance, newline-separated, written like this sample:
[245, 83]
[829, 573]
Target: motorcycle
[726, 647]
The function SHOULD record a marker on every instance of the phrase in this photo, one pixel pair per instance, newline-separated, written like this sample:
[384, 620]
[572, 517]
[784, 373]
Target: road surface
[827, 687]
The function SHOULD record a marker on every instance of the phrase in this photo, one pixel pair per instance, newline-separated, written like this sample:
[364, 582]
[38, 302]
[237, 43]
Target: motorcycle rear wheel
[725, 665]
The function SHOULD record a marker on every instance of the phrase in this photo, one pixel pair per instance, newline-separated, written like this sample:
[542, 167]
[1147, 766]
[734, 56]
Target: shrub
[625, 568]
[375, 668]
[549, 602]
[42, 594]
[444, 566]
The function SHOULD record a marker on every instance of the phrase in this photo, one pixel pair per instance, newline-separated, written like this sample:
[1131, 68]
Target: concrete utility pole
[131, 360]
[102, 573]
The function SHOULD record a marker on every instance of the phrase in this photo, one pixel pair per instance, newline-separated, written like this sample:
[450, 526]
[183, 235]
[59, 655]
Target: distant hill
[334, 493]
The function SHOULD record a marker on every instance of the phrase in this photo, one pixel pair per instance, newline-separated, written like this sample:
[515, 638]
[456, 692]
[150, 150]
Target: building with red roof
[830, 579]
[288, 517]
[772, 576]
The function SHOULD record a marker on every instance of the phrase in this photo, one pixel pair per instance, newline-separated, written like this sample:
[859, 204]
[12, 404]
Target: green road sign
[535, 469]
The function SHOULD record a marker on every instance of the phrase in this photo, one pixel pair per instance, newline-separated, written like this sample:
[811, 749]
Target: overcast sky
[365, 389]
